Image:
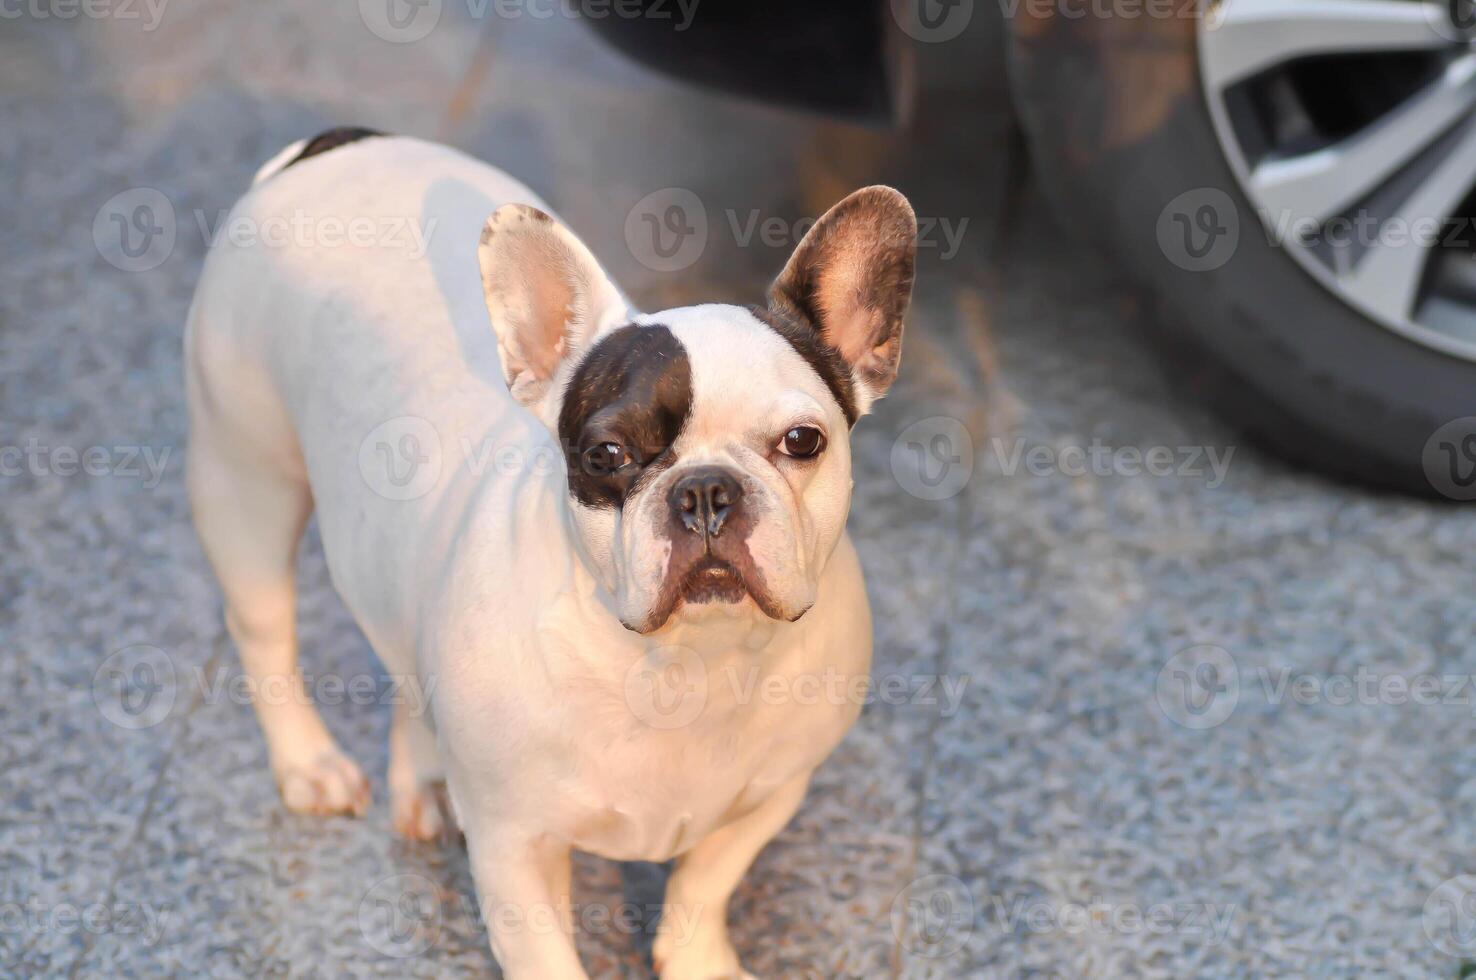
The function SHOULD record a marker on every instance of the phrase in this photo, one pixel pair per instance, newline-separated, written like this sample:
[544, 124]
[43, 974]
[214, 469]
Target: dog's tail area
[279, 162]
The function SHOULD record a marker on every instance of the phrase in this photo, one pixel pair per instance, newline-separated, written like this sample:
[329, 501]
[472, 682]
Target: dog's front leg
[692, 941]
[523, 887]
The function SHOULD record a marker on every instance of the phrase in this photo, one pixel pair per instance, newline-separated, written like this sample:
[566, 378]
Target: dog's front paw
[424, 813]
[704, 955]
[329, 783]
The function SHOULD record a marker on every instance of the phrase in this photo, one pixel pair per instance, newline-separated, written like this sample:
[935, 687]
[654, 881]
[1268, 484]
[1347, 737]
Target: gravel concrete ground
[1140, 711]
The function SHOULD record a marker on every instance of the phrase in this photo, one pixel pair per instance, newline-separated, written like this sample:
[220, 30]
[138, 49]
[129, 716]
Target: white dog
[611, 545]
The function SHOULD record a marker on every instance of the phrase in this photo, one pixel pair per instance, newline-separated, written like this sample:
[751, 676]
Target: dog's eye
[605, 458]
[802, 442]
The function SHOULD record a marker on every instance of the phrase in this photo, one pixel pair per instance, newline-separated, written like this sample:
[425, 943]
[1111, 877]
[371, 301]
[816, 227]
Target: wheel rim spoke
[1327, 182]
[1388, 276]
[1361, 188]
[1243, 37]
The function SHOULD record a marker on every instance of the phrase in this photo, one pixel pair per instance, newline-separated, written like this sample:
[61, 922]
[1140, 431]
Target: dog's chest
[651, 794]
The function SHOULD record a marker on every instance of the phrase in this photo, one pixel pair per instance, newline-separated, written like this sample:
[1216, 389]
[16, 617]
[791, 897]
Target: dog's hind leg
[251, 500]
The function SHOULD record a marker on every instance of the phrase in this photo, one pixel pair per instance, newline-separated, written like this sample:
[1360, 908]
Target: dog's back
[338, 348]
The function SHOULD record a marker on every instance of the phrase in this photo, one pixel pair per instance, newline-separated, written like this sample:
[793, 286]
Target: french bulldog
[617, 619]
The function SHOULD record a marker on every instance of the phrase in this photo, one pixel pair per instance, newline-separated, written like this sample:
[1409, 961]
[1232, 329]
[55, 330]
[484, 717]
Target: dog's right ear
[546, 295]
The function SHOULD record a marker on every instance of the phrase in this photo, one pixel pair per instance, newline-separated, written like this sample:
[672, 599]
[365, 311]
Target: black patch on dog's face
[331, 140]
[635, 389]
[826, 361]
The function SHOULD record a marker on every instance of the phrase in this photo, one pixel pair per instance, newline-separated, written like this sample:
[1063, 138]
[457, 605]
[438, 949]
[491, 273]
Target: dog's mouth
[713, 579]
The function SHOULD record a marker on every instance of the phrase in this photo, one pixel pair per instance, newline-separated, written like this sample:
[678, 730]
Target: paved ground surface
[1072, 814]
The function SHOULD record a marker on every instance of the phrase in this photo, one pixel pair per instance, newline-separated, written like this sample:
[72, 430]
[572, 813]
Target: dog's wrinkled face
[708, 446]
[708, 462]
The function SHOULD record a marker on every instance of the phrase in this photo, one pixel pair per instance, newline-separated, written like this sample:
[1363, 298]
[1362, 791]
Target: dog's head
[708, 446]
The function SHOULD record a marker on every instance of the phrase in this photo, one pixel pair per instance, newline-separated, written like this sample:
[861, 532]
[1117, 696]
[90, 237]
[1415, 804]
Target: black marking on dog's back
[824, 359]
[634, 388]
[331, 140]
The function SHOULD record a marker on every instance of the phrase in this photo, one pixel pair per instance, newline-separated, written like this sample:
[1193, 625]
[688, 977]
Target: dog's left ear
[850, 278]
[546, 295]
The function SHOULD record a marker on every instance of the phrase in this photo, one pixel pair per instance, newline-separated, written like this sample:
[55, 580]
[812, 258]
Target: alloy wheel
[1351, 127]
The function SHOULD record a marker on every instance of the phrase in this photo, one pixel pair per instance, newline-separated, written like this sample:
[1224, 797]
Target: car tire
[1125, 148]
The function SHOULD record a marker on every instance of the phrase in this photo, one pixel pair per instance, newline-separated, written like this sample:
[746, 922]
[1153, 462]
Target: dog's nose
[704, 499]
